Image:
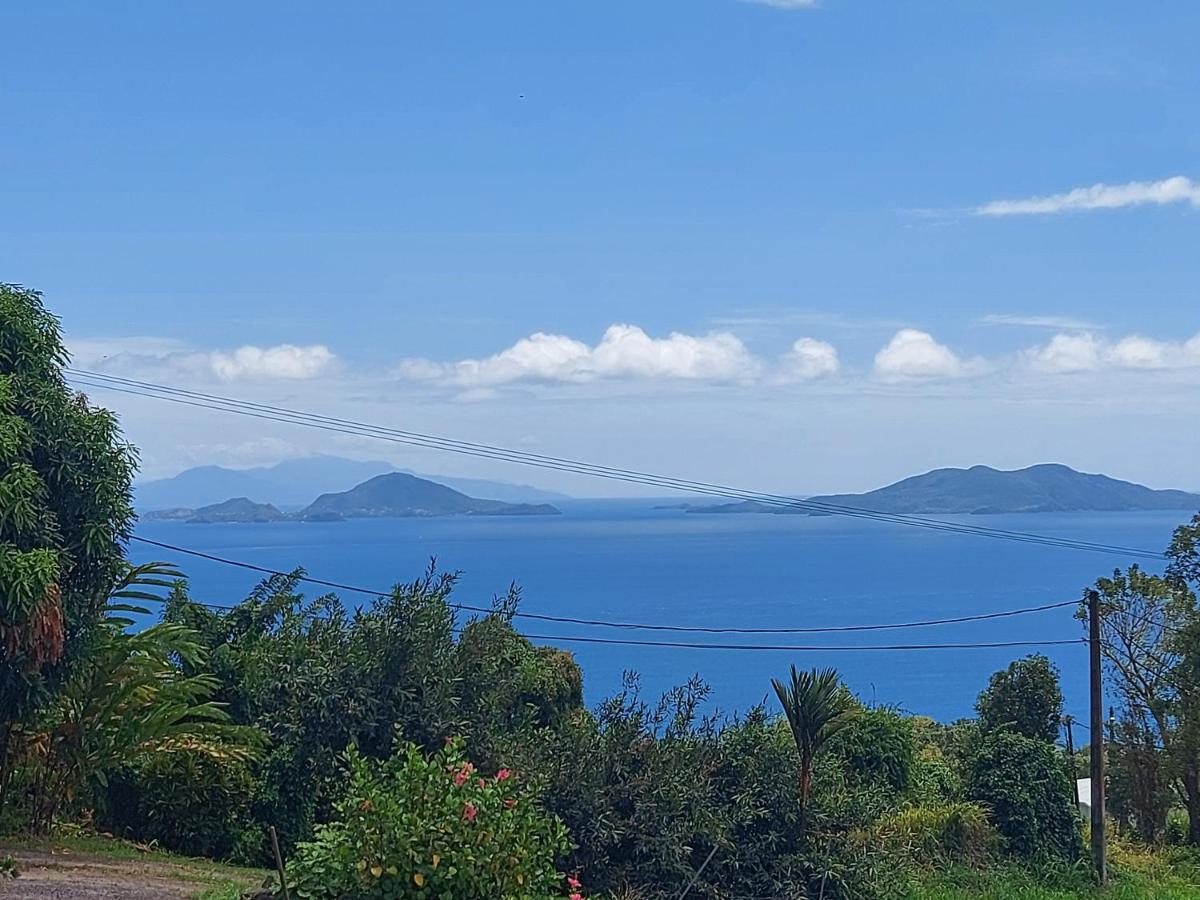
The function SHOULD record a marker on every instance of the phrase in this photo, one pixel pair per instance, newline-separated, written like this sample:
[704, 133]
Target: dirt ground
[84, 876]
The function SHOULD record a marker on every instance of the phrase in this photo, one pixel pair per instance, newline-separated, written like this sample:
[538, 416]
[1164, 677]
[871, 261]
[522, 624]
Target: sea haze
[624, 560]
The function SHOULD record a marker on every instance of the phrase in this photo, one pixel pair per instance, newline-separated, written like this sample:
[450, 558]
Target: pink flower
[503, 775]
[470, 812]
[510, 803]
[463, 774]
[483, 782]
[574, 883]
[576, 896]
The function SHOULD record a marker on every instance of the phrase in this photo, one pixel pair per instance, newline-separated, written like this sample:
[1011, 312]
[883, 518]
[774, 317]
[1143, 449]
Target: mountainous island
[291, 485]
[391, 495]
[981, 489]
[398, 494]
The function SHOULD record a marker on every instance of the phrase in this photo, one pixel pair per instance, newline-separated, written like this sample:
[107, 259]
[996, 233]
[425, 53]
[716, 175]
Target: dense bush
[414, 826]
[938, 835]
[188, 802]
[317, 678]
[634, 784]
[1024, 698]
[877, 746]
[1025, 785]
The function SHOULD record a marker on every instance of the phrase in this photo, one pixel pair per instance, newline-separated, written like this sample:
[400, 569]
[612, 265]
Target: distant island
[291, 485]
[392, 495]
[982, 490]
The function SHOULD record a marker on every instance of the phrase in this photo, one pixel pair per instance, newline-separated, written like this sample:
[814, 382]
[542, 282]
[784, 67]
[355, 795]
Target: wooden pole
[1068, 721]
[279, 863]
[1099, 844]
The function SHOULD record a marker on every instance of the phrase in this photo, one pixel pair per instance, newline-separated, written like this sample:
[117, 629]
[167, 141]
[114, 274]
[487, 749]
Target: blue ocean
[625, 560]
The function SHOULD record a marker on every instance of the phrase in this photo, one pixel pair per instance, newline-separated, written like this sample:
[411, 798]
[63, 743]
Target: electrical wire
[611, 624]
[284, 415]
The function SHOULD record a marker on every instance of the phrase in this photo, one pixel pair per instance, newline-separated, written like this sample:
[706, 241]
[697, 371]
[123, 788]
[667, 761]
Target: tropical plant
[414, 826]
[65, 477]
[127, 700]
[817, 706]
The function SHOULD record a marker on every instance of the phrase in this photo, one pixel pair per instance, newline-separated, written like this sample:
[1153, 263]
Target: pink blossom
[463, 774]
[470, 812]
[574, 883]
[503, 775]
[576, 896]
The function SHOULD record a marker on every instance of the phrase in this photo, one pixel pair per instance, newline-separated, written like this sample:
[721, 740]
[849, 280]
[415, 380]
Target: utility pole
[1099, 844]
[1068, 721]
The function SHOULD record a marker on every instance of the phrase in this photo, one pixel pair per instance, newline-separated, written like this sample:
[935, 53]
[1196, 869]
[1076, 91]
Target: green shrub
[413, 826]
[187, 801]
[935, 780]
[1025, 785]
[877, 746]
[924, 835]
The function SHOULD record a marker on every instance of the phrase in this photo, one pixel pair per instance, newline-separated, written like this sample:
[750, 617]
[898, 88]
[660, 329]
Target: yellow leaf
[392, 870]
[419, 880]
[520, 878]
[362, 865]
[436, 859]
[376, 871]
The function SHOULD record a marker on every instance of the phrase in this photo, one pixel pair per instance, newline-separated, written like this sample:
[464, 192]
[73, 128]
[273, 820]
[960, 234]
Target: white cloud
[282, 361]
[625, 351]
[152, 358]
[1085, 353]
[808, 359]
[1066, 353]
[1178, 189]
[1067, 322]
[913, 354]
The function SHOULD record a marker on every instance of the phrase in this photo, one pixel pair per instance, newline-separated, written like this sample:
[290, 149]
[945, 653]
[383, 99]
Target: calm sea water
[624, 560]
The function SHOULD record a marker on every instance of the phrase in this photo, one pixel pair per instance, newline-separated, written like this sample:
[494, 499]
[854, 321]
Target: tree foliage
[1024, 698]
[1025, 785]
[126, 700]
[65, 477]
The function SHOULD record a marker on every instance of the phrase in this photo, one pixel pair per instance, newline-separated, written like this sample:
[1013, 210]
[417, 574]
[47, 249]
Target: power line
[343, 426]
[281, 414]
[611, 624]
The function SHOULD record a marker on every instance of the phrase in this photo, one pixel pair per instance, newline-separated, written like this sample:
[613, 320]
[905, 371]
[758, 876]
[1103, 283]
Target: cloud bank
[625, 351]
[1084, 352]
[1178, 189]
[165, 358]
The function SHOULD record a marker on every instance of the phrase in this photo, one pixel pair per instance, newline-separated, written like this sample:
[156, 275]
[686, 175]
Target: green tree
[1024, 782]
[1150, 641]
[65, 476]
[1025, 698]
[817, 706]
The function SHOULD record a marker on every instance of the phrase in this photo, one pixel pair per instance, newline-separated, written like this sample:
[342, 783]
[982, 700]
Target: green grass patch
[1020, 884]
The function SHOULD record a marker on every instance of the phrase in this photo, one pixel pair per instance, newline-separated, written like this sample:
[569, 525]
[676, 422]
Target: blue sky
[361, 209]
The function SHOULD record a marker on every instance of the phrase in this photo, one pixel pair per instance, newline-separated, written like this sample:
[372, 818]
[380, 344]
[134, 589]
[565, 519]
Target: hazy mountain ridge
[399, 494]
[293, 483]
[979, 490]
[392, 495]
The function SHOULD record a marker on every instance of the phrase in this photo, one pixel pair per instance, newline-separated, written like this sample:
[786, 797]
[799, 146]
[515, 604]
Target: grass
[216, 881]
[1162, 882]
